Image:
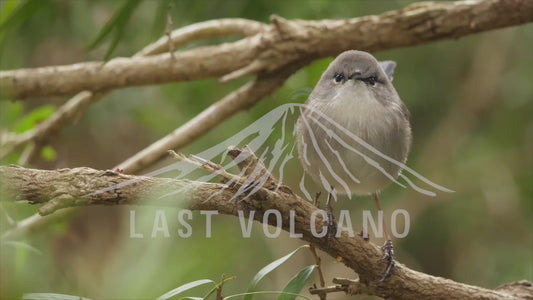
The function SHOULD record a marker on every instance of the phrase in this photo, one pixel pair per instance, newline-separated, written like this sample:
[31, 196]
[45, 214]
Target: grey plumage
[354, 96]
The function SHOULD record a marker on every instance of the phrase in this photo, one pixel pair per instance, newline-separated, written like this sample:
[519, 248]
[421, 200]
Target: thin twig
[69, 111]
[209, 166]
[318, 262]
[205, 30]
[34, 223]
[327, 290]
[317, 199]
[169, 32]
[220, 287]
[349, 286]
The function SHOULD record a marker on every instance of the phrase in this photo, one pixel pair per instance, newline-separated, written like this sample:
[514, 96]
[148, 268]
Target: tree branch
[269, 51]
[241, 99]
[39, 135]
[84, 186]
[274, 47]
[74, 108]
[204, 30]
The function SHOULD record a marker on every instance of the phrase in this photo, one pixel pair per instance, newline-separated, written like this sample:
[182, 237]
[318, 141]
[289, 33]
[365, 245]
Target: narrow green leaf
[121, 16]
[118, 23]
[211, 292]
[160, 19]
[184, 288]
[297, 283]
[114, 43]
[266, 270]
[33, 118]
[51, 296]
[7, 8]
[14, 16]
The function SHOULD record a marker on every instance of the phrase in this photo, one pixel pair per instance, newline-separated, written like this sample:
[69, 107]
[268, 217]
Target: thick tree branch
[270, 51]
[236, 101]
[85, 186]
[74, 108]
[274, 47]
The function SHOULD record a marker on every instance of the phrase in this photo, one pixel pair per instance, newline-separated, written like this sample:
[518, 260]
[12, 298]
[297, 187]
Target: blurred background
[471, 102]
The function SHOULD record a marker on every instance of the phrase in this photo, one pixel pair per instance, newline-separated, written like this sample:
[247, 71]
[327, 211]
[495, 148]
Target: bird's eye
[339, 77]
[371, 80]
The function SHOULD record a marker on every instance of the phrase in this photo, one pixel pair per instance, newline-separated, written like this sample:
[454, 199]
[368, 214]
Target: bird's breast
[342, 142]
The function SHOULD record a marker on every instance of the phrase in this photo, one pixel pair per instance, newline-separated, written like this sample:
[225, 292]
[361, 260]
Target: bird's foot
[332, 223]
[388, 255]
[364, 235]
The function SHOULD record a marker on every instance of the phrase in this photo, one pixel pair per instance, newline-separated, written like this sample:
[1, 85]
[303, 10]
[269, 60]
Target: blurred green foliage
[115, 26]
[471, 106]
[31, 119]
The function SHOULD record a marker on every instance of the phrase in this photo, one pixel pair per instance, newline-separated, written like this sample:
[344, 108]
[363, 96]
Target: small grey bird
[352, 129]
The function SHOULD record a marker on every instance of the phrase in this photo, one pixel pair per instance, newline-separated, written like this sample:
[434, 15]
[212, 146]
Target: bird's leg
[387, 248]
[332, 223]
[317, 199]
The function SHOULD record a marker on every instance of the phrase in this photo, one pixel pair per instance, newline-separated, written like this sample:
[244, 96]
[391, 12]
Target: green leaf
[184, 288]
[297, 283]
[10, 112]
[118, 23]
[51, 296]
[267, 269]
[160, 19]
[48, 153]
[265, 293]
[7, 9]
[13, 14]
[38, 115]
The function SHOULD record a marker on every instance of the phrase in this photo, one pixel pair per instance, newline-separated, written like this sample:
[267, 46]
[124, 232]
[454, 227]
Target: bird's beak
[356, 75]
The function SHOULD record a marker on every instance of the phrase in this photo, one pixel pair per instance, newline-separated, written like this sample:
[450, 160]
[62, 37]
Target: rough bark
[274, 47]
[84, 186]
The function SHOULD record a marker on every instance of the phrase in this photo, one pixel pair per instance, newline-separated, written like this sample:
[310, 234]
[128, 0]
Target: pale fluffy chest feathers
[361, 114]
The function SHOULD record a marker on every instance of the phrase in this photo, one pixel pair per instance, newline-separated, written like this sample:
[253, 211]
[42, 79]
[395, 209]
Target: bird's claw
[332, 224]
[388, 255]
